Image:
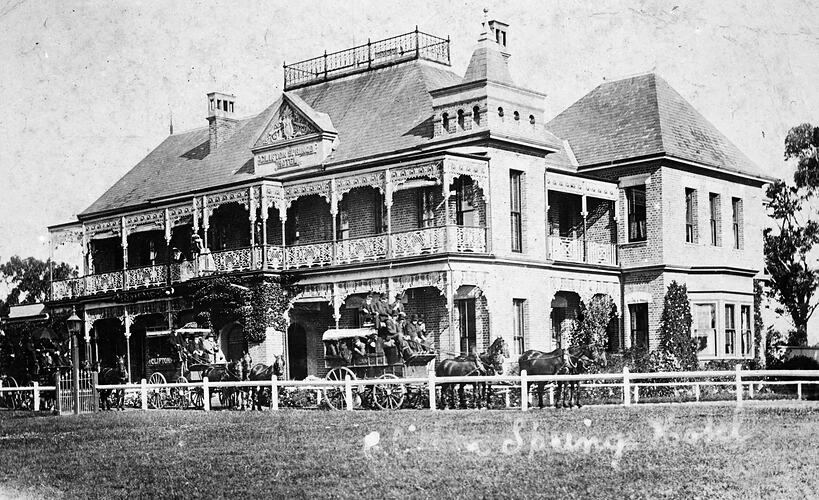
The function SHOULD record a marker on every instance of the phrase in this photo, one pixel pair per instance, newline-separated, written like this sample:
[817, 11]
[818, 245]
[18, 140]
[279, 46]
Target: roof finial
[171, 124]
[484, 25]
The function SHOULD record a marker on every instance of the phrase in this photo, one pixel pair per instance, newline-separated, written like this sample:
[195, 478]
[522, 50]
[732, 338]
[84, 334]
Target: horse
[264, 372]
[113, 376]
[464, 366]
[561, 362]
[231, 372]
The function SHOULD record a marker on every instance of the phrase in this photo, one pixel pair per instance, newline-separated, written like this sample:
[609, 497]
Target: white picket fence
[743, 381]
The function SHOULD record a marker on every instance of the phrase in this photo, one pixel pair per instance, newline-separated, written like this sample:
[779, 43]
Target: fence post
[799, 391]
[524, 391]
[697, 392]
[431, 387]
[57, 393]
[551, 395]
[751, 390]
[36, 396]
[348, 393]
[738, 371]
[274, 392]
[95, 400]
[205, 394]
[626, 387]
[636, 393]
[143, 394]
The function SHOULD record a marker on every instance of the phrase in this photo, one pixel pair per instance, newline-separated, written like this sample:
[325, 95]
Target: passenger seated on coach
[359, 352]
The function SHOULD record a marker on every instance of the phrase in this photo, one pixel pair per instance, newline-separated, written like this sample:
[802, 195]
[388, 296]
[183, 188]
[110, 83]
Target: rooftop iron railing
[413, 45]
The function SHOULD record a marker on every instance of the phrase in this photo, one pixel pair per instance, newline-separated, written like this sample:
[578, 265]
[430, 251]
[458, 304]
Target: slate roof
[640, 116]
[376, 112]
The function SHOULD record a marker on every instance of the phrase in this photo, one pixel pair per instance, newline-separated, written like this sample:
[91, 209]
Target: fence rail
[630, 383]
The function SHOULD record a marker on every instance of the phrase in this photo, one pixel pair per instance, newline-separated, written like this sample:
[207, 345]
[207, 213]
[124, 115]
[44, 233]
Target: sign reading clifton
[380, 171]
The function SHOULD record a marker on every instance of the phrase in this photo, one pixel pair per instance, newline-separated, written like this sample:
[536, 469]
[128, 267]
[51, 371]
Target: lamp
[74, 323]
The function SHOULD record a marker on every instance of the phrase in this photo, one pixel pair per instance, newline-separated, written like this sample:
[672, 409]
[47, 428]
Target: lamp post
[74, 324]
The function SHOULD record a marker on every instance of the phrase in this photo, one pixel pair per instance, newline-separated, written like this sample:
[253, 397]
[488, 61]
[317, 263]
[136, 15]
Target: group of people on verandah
[395, 336]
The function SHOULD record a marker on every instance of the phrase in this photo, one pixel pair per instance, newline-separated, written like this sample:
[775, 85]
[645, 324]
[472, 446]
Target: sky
[88, 88]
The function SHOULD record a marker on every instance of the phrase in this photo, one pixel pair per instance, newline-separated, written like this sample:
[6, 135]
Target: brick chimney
[499, 30]
[221, 118]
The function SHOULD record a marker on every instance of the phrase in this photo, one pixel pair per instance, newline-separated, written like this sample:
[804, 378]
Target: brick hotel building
[379, 169]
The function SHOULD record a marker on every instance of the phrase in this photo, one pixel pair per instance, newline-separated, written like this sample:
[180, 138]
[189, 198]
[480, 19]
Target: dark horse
[113, 376]
[265, 372]
[488, 363]
[231, 372]
[572, 361]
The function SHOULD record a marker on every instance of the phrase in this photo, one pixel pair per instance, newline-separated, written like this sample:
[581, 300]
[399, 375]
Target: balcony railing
[411, 243]
[571, 250]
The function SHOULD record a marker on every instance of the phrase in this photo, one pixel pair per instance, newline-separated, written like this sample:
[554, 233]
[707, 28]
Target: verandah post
[738, 371]
[626, 387]
[524, 391]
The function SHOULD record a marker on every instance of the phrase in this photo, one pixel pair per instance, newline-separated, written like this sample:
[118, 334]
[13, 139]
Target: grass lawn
[763, 450]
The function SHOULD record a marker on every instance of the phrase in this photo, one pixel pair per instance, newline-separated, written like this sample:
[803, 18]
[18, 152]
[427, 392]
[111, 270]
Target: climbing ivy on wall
[255, 303]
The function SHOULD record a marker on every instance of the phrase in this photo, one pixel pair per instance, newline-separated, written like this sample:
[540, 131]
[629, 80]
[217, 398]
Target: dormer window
[445, 122]
[461, 123]
[476, 116]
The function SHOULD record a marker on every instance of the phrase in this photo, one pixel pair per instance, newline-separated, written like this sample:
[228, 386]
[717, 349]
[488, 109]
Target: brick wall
[364, 207]
[310, 216]
[600, 226]
[648, 283]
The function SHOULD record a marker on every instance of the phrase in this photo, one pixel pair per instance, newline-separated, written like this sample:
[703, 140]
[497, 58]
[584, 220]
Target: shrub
[676, 348]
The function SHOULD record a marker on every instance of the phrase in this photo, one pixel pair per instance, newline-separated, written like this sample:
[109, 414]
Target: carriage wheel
[11, 399]
[197, 398]
[180, 396]
[157, 397]
[389, 397]
[335, 395]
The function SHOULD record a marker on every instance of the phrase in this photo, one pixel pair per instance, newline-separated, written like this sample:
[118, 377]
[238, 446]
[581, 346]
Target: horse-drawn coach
[361, 353]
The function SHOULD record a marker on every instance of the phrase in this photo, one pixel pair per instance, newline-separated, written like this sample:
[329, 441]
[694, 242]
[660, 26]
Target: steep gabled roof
[376, 112]
[642, 116]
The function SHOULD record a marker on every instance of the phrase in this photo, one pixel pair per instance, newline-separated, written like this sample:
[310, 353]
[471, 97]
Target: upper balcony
[435, 207]
[582, 222]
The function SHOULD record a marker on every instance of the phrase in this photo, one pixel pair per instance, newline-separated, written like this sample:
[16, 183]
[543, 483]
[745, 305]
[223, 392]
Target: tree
[675, 327]
[27, 280]
[794, 281]
[594, 323]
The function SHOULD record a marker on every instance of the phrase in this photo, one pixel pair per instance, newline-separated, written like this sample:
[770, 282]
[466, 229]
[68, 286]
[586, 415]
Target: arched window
[445, 122]
[517, 116]
[476, 116]
[532, 119]
[461, 123]
[500, 112]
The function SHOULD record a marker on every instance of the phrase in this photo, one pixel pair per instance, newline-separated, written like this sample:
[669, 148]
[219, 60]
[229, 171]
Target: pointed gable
[643, 116]
[293, 119]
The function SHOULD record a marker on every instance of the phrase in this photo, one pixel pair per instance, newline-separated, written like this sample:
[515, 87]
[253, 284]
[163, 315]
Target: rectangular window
[343, 222]
[705, 329]
[636, 200]
[380, 212]
[730, 330]
[638, 314]
[713, 200]
[745, 330]
[466, 325]
[464, 206]
[515, 209]
[736, 221]
[426, 208]
[690, 215]
[518, 326]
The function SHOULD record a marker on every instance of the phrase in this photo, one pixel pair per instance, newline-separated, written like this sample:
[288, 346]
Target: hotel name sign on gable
[291, 142]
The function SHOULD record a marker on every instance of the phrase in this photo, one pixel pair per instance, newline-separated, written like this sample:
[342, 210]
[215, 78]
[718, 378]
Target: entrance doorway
[232, 342]
[297, 351]
[639, 325]
[466, 325]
